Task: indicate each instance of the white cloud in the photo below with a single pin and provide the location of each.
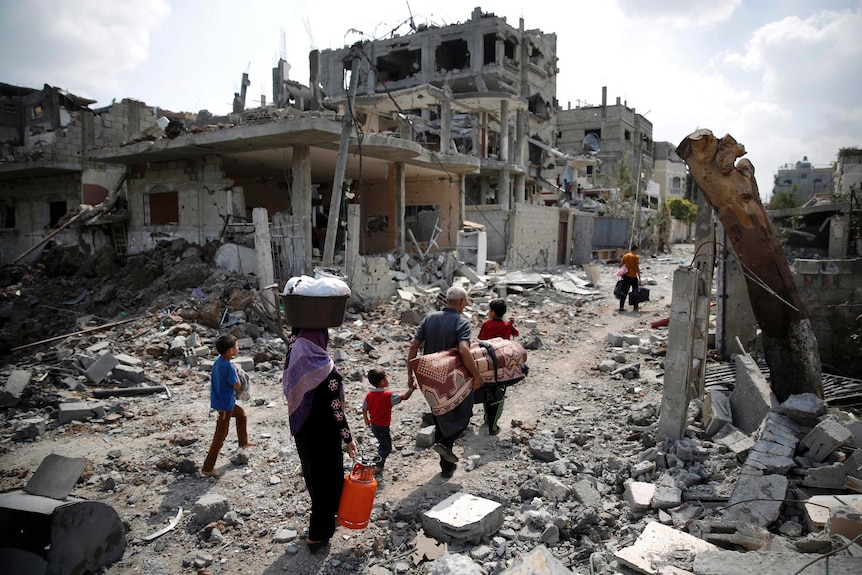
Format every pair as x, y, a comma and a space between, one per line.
681, 13
82, 46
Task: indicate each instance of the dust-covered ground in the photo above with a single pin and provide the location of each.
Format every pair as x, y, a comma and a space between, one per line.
145, 452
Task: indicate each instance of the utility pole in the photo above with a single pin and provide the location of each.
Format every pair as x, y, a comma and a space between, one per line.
341, 166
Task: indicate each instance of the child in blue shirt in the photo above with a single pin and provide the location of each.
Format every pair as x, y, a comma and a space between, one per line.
224, 383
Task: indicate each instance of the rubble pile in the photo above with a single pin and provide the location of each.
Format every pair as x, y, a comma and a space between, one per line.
579, 475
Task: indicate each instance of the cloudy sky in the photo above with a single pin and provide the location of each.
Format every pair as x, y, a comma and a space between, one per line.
784, 77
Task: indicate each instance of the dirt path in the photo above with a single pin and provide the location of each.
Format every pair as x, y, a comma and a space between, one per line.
144, 462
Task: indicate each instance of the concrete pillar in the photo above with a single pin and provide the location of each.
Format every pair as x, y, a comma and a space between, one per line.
263, 256
301, 199
519, 192
520, 145
504, 130
735, 318
504, 193
351, 249
483, 135
678, 364
446, 120
400, 202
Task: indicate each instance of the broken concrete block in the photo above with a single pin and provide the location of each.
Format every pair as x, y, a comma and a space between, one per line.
658, 548
826, 476
818, 508
210, 507
425, 437
716, 411
737, 563
643, 468
450, 564
846, 521
639, 495
543, 447
128, 359
757, 499
615, 339
584, 492
30, 428
463, 518
824, 438
131, 373
246, 363
667, 494
768, 463
539, 561
75, 410
734, 440
803, 408
752, 398
853, 464
553, 488
13, 389
727, 533
100, 369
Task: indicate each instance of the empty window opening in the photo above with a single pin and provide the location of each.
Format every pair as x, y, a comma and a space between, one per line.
676, 183
398, 65
536, 56
423, 221
161, 208
627, 135
489, 49
452, 55
56, 211
7, 215
510, 49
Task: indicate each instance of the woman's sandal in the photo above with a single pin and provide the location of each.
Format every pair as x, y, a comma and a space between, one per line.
315, 546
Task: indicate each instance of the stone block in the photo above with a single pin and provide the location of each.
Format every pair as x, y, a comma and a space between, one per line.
463, 518
425, 437
752, 398
13, 389
757, 499
716, 411
826, 476
100, 369
667, 494
803, 408
638, 495
539, 561
824, 438
658, 548
584, 492
242, 343
615, 339
853, 464
734, 440
763, 563
129, 373
553, 488
74, 410
128, 359
247, 363
768, 463
30, 428
210, 507
809, 267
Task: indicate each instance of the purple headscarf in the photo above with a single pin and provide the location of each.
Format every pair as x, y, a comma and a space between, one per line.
308, 366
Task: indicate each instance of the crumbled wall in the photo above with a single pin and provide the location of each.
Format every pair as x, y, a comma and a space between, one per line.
203, 195
496, 222
832, 293
120, 121
534, 242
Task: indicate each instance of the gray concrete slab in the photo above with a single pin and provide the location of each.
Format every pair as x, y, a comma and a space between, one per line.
736, 563
757, 499
56, 476
463, 518
13, 389
539, 561
752, 397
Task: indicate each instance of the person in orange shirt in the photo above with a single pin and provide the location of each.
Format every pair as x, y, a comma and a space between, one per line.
632, 277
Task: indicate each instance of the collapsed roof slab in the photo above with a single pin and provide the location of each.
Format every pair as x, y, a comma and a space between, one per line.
302, 131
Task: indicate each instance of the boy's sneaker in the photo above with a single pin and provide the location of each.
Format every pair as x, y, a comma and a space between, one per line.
448, 474
445, 453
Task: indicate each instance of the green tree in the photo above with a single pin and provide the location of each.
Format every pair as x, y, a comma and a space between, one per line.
682, 210
784, 200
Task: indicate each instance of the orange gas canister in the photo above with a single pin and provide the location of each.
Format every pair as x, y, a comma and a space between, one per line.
357, 497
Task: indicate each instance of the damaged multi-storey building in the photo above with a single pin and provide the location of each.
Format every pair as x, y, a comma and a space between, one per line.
446, 125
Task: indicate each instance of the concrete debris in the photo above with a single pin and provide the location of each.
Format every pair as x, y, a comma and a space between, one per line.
463, 518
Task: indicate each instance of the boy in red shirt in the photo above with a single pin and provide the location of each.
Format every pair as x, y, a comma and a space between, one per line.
377, 412
496, 326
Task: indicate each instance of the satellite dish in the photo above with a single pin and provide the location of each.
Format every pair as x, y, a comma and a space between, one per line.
591, 144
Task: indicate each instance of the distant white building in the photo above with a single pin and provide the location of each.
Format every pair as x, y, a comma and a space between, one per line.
804, 178
669, 171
